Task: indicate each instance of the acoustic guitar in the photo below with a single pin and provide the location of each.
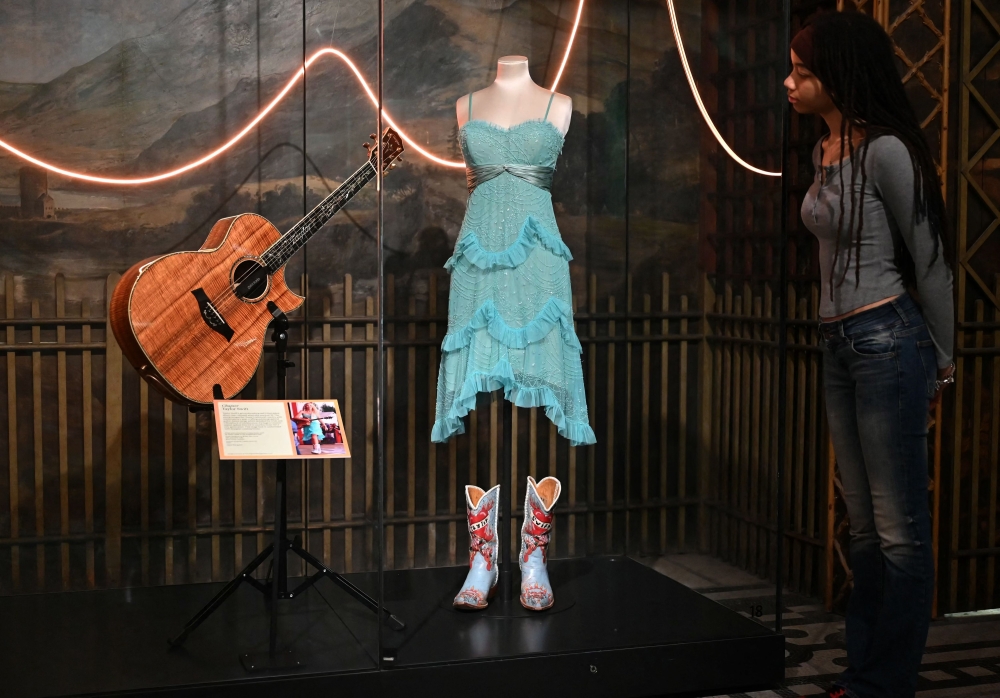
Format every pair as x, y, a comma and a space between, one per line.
191, 321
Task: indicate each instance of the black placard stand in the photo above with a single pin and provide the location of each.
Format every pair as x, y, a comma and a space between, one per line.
276, 587
505, 593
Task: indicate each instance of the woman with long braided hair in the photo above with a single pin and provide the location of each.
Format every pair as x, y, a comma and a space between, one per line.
878, 213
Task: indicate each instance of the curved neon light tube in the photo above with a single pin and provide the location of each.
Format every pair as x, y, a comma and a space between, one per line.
701, 105
239, 136
569, 46
267, 110
371, 95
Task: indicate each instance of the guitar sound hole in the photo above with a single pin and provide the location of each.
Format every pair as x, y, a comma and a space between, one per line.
250, 280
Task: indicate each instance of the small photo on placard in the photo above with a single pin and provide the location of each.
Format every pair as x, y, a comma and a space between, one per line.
317, 429
262, 429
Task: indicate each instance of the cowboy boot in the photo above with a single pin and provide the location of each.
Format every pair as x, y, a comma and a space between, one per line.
481, 581
536, 591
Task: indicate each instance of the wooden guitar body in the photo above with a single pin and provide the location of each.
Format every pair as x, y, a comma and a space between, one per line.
191, 321
180, 324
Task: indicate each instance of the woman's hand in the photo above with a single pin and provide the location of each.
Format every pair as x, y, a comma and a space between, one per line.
945, 376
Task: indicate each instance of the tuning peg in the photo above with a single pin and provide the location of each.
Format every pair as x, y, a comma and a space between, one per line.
373, 137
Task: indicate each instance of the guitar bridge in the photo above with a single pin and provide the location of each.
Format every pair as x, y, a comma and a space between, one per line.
210, 314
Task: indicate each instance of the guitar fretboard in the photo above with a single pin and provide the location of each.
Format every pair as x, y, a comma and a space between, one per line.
278, 254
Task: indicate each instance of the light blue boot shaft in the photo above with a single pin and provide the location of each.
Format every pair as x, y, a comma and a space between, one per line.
541, 498
481, 508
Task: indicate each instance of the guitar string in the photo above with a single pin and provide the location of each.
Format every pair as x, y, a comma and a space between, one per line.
223, 305
278, 254
284, 248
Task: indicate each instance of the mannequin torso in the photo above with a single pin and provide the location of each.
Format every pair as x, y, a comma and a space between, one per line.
514, 98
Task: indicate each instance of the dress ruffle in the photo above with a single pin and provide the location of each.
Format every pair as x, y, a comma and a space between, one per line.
502, 377
555, 312
532, 234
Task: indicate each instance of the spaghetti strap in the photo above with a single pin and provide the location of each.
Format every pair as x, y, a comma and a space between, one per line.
545, 118
470, 108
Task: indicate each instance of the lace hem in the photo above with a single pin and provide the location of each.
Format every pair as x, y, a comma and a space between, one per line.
532, 233
502, 377
555, 312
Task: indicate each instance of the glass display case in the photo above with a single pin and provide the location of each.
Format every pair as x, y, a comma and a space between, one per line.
559, 332
550, 387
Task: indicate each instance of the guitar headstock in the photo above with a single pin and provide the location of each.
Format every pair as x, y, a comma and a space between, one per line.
392, 149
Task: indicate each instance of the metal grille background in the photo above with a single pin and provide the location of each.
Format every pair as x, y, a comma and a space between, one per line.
970, 582
743, 62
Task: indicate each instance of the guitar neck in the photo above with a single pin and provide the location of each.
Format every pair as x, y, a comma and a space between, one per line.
278, 254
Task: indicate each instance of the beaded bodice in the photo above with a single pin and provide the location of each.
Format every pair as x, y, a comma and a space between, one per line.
537, 142
534, 142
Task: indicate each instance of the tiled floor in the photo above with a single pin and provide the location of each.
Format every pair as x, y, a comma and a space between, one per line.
962, 656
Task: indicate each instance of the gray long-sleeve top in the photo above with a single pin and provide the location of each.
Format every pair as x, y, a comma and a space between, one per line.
889, 215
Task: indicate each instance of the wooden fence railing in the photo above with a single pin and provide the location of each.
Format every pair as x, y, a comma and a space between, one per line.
105, 483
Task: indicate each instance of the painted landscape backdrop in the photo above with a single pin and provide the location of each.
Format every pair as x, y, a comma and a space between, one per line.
131, 88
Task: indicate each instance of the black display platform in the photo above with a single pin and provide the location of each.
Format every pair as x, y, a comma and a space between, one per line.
629, 631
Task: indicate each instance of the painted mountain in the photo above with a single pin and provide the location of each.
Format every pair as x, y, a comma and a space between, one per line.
161, 92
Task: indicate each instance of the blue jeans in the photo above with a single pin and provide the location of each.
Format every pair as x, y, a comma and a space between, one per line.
879, 373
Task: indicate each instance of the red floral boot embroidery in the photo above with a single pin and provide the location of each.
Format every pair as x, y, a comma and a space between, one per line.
536, 590
481, 580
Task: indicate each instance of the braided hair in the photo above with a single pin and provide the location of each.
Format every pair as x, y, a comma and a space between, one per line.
853, 59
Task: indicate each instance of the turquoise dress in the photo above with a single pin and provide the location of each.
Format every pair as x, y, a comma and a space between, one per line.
314, 428
510, 313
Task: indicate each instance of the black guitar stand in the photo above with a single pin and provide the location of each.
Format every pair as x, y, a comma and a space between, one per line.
276, 588
505, 581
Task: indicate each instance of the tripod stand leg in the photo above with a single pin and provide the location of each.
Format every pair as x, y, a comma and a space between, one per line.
341, 581
224, 594
280, 579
